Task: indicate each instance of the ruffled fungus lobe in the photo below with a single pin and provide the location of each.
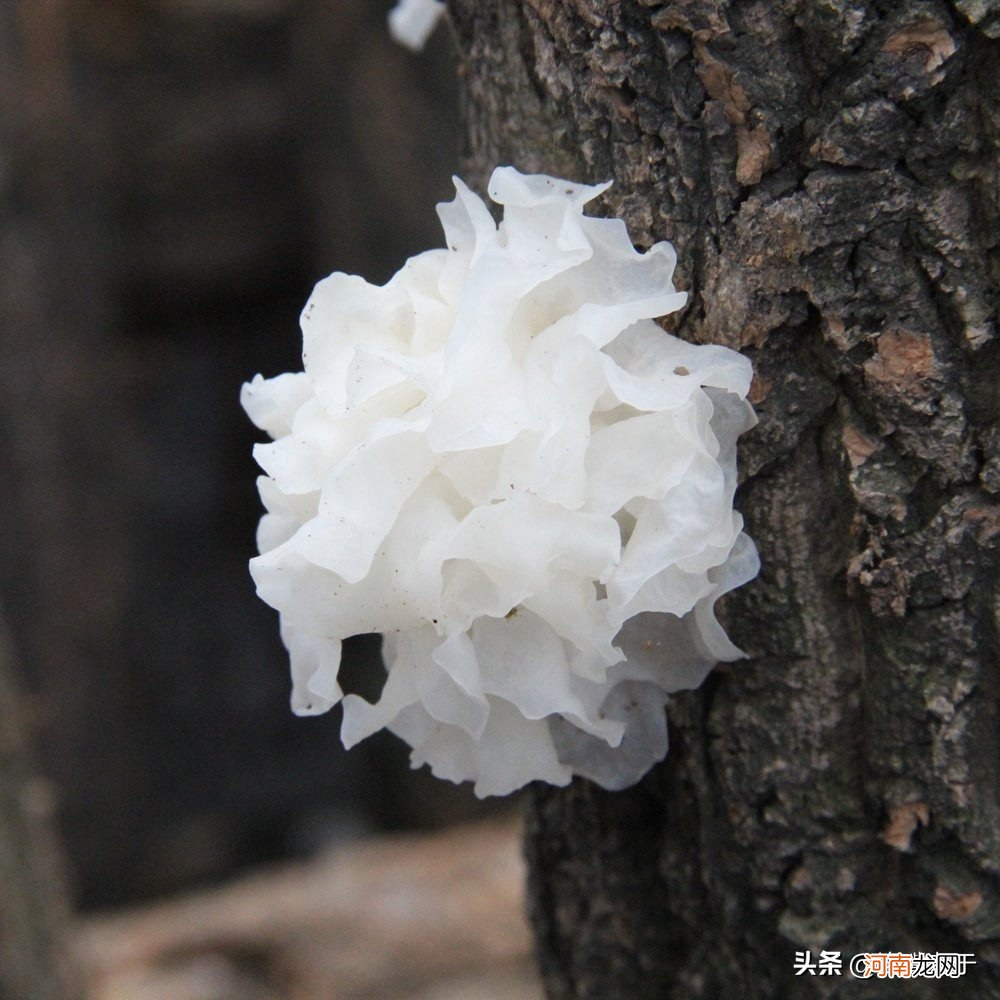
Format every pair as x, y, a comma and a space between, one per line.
500, 462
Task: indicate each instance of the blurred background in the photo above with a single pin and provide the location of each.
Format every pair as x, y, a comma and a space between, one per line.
175, 175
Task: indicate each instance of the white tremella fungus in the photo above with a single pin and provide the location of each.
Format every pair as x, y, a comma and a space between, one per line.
500, 462
411, 22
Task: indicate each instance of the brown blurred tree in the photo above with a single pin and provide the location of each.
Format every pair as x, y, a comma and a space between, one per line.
38, 191
34, 961
828, 174
174, 178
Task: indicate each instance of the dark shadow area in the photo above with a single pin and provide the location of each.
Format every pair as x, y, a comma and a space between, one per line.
176, 177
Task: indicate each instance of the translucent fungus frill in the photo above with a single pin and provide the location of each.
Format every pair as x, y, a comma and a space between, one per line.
500, 462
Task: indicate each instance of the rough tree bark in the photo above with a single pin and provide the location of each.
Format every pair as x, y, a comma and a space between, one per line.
827, 172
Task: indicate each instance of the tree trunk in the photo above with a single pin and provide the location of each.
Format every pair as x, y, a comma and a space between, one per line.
827, 172
34, 962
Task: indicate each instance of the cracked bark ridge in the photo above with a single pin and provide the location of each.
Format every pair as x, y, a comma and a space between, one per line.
828, 174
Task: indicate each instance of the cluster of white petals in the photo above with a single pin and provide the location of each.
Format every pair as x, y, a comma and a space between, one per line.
500, 462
